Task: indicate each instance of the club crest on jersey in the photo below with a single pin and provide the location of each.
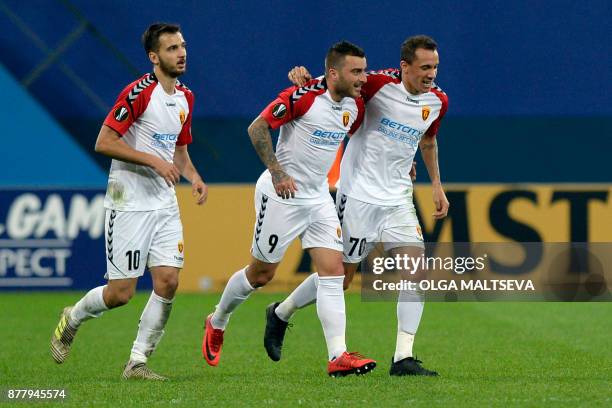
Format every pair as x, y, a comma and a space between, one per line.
339, 232
120, 114
181, 246
182, 116
345, 118
279, 110
419, 231
425, 112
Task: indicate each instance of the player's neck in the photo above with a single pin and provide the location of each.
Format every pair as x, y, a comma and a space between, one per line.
167, 83
336, 97
411, 91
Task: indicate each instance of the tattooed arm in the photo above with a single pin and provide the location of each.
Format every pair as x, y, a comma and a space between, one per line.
262, 142
429, 152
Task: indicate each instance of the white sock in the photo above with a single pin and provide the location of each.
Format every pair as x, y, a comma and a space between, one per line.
236, 291
91, 305
151, 327
332, 314
302, 296
409, 311
403, 345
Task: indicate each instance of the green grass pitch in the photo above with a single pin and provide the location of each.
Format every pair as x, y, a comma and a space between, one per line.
487, 354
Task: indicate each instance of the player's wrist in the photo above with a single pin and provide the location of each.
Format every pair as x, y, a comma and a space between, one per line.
151, 161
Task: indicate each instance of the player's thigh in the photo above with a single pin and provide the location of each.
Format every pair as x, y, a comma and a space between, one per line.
128, 237
360, 226
402, 236
276, 225
167, 246
323, 230
402, 228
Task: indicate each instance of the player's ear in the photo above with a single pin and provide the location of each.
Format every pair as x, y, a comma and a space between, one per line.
332, 73
153, 58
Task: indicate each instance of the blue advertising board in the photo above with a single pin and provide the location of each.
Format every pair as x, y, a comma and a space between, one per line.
53, 239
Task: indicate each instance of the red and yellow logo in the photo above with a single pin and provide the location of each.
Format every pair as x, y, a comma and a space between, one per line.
345, 118
181, 246
425, 112
182, 116
419, 231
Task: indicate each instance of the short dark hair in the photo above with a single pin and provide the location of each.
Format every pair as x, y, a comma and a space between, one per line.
150, 38
410, 46
337, 52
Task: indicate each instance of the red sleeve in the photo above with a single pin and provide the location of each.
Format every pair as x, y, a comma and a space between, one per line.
291, 103
360, 114
435, 125
130, 104
185, 136
377, 80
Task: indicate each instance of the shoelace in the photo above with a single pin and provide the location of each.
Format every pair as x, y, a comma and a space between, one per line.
348, 362
216, 340
416, 360
68, 335
145, 371
279, 330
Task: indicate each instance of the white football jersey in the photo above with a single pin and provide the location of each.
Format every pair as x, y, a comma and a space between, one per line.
151, 121
378, 158
312, 128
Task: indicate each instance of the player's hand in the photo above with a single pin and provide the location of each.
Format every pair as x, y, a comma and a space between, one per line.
441, 202
299, 76
167, 170
413, 171
199, 190
284, 184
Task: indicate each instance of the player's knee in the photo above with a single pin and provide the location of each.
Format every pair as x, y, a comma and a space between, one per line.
172, 284
259, 273
262, 278
332, 270
167, 286
119, 297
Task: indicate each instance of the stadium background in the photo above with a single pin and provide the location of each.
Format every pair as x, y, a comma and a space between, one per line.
524, 149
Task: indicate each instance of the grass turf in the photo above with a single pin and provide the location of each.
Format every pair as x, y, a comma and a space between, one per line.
487, 354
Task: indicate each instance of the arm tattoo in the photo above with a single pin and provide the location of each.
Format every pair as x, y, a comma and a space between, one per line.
262, 142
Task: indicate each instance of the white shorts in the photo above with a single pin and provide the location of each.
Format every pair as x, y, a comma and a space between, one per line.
135, 239
277, 224
365, 224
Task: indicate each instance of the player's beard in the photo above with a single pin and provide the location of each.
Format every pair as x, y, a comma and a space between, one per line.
169, 70
345, 88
